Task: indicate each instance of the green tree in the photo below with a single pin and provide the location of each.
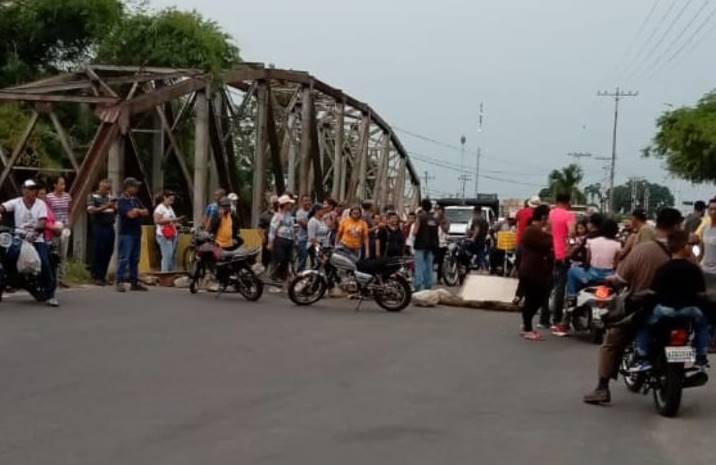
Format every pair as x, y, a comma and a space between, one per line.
686, 141
659, 196
169, 38
42, 36
565, 180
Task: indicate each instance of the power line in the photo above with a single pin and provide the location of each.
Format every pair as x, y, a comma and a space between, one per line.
428, 158
663, 37
654, 31
636, 38
673, 43
689, 42
483, 176
453, 147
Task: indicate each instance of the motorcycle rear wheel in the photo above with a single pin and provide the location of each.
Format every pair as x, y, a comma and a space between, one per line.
249, 285
667, 394
307, 289
399, 296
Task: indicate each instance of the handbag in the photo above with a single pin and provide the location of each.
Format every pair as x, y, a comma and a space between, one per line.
169, 231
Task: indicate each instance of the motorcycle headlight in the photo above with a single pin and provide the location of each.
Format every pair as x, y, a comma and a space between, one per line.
5, 240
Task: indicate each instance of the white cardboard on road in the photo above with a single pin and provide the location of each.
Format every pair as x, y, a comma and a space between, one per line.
488, 288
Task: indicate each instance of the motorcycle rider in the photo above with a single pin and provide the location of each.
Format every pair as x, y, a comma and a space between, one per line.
225, 226
636, 272
677, 285
31, 216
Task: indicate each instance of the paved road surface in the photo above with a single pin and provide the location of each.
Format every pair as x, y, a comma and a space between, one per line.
170, 378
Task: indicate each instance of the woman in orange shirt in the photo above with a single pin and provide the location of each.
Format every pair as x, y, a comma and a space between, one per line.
353, 235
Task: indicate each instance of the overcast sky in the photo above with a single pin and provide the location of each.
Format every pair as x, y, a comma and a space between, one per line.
425, 66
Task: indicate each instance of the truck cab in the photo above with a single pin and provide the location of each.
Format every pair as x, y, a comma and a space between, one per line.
460, 218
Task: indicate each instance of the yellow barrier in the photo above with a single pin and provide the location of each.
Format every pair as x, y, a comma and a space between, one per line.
506, 240
150, 255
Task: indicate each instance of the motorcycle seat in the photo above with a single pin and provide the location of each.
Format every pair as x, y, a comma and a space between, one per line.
241, 252
374, 266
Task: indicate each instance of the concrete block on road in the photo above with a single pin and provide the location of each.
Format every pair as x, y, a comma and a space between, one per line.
488, 288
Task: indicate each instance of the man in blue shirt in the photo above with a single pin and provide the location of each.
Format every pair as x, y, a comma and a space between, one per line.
131, 213
211, 214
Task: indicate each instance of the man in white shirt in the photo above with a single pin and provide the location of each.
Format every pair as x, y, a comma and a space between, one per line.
30, 215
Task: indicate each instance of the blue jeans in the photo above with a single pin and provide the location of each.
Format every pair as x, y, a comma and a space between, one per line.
128, 259
423, 269
103, 249
47, 275
579, 277
302, 253
168, 248
701, 328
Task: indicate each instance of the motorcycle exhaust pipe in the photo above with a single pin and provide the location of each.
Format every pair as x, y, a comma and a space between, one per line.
696, 380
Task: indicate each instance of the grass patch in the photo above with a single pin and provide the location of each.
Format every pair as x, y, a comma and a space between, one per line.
77, 273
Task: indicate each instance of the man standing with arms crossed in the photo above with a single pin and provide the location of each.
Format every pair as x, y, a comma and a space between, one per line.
131, 214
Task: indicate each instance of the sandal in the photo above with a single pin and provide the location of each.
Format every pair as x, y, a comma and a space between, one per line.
533, 336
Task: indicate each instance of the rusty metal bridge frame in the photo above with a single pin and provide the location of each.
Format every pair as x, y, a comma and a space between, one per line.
308, 137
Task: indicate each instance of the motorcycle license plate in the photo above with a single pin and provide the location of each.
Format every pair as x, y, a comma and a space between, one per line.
598, 313
680, 355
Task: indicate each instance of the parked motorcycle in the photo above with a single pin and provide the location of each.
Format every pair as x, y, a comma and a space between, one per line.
593, 304
459, 262
672, 358
232, 269
11, 242
381, 279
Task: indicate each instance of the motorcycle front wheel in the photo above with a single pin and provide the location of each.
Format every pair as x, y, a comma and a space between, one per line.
451, 271
667, 393
395, 294
307, 289
197, 274
249, 285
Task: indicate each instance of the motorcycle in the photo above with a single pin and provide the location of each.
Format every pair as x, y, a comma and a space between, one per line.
11, 241
381, 279
593, 304
672, 358
232, 269
459, 261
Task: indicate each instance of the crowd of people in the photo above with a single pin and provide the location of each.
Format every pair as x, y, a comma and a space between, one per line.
560, 254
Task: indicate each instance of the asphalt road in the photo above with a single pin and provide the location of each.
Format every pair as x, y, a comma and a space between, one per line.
170, 378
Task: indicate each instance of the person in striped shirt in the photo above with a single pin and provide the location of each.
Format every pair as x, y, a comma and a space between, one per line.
60, 202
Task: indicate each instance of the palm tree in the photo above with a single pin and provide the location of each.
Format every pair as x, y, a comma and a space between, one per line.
594, 194
567, 180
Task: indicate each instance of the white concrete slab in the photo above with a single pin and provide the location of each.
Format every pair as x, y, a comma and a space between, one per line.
488, 288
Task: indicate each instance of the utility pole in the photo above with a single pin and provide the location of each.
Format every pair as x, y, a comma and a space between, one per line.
480, 119
646, 196
618, 95
634, 193
463, 178
477, 172
427, 178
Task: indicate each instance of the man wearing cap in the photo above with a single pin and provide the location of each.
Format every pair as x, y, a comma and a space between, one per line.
281, 237
131, 214
31, 216
225, 227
